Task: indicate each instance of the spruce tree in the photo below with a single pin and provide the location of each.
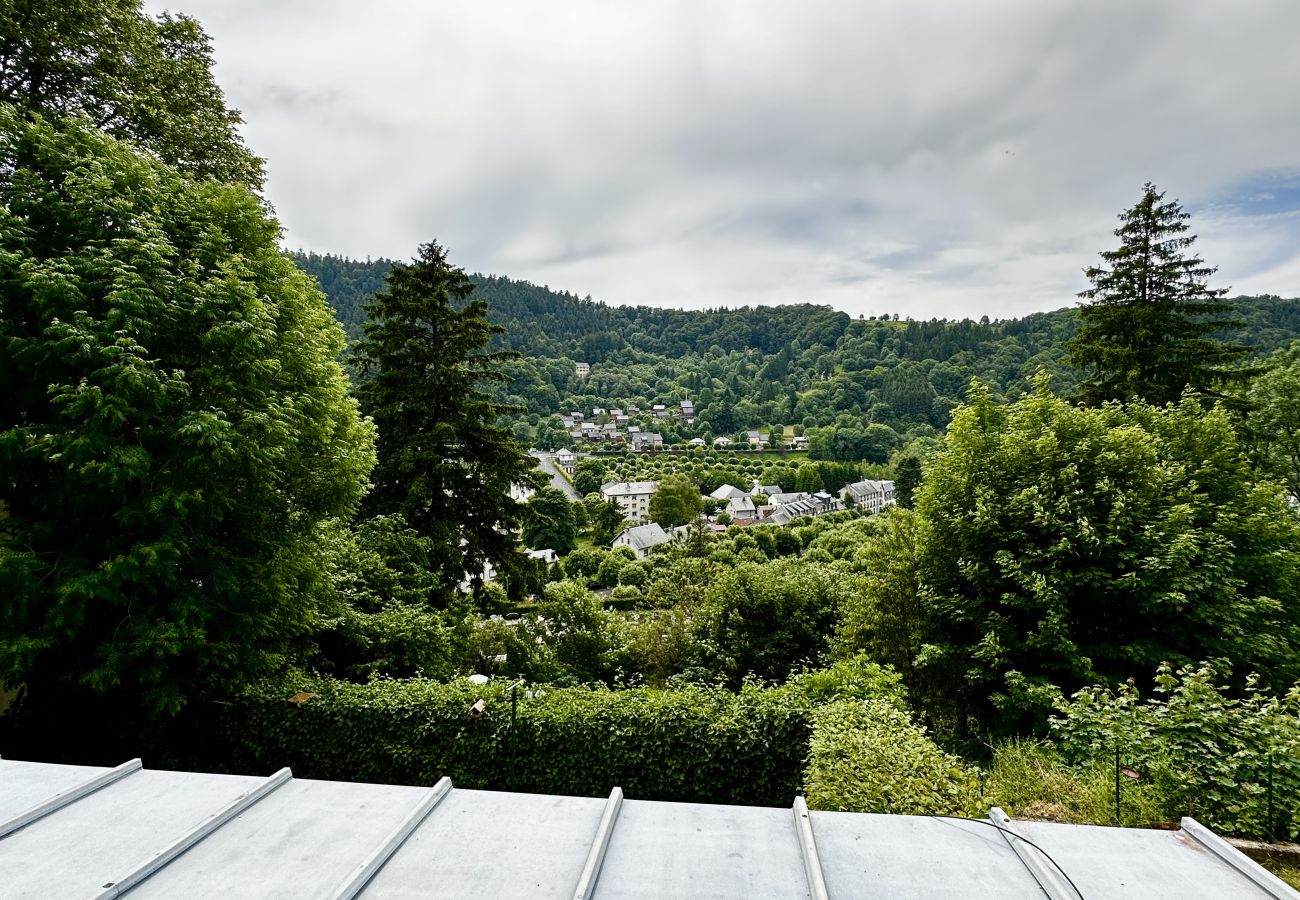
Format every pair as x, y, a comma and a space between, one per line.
1148, 328
444, 461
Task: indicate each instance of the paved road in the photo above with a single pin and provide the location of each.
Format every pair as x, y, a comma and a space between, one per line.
546, 462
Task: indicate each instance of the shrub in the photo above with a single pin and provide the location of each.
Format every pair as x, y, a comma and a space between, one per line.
1032, 780
868, 756
1210, 754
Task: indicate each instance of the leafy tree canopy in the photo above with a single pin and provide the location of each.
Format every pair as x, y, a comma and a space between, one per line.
676, 502
175, 425
143, 79
1061, 545
549, 522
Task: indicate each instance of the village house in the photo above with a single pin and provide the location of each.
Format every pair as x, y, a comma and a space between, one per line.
688, 411
695, 442
566, 459
647, 441
660, 411
727, 492
633, 497
582, 369
742, 510
722, 443
642, 539
869, 495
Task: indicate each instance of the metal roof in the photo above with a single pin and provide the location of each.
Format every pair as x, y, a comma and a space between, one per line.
83, 832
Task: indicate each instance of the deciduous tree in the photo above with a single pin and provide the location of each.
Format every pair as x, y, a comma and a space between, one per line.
1061, 545
676, 502
175, 424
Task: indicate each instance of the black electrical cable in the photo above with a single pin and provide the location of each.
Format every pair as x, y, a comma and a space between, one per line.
1019, 837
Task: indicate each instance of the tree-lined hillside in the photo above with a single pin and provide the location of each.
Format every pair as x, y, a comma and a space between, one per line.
799, 365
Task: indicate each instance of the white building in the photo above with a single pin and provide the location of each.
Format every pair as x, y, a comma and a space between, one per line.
632, 496
582, 369
642, 539
869, 495
567, 459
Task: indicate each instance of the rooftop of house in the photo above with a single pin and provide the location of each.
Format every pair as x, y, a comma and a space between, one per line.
628, 488
643, 537
145, 833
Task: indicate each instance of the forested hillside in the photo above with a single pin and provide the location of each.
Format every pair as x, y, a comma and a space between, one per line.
755, 367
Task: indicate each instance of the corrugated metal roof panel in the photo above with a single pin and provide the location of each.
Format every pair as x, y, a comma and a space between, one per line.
153, 834
905, 857
702, 850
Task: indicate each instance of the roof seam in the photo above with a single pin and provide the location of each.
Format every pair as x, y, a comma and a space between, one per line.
68, 797
192, 837
367, 869
599, 845
812, 863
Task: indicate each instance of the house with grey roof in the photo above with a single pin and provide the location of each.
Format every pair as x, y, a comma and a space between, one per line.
727, 492
647, 440
642, 538
742, 510
869, 495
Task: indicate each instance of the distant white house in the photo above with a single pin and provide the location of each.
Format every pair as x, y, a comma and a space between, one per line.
567, 459
687, 411
582, 369
742, 510
722, 443
642, 539
758, 437
869, 495
632, 496
548, 556
695, 442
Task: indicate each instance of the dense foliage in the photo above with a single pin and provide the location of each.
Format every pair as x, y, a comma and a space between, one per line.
444, 462
1229, 757
1149, 330
868, 756
175, 425
1061, 545
657, 745
144, 80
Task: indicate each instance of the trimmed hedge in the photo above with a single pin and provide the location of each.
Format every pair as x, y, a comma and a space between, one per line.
695, 744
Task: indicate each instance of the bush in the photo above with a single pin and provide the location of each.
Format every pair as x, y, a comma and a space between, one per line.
868, 756
1209, 754
688, 745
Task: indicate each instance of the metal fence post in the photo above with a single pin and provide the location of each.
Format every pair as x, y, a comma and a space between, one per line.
1117, 818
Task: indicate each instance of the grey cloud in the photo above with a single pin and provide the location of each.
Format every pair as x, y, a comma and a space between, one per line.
931, 158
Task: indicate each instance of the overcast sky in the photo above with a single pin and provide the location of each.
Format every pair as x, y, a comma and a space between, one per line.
925, 158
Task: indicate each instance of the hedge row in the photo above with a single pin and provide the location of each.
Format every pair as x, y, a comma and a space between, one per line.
702, 745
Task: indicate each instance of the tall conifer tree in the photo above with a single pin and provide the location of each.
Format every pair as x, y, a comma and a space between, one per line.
1148, 329
444, 462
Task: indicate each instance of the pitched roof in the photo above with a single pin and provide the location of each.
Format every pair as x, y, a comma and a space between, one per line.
726, 492
643, 537
628, 488
143, 833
